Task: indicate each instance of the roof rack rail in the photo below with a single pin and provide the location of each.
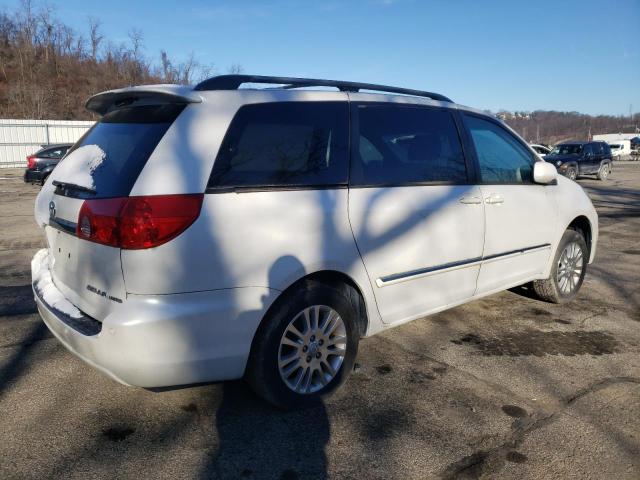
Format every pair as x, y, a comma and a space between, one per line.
233, 82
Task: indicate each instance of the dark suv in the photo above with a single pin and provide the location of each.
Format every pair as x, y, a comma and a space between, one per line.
42, 163
581, 158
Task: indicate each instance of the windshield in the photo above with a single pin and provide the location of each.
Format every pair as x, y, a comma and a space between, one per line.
109, 158
566, 150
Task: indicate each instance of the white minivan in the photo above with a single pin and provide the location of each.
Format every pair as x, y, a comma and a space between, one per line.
255, 227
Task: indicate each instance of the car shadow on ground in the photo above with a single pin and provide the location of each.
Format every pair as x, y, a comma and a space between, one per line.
256, 440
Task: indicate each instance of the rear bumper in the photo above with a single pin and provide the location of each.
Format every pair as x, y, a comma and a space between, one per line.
168, 340
34, 176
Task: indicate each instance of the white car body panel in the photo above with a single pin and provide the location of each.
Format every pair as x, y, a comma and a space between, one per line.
519, 232
404, 233
245, 240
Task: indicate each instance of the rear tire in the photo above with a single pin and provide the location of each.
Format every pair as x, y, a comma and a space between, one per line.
603, 173
568, 270
305, 348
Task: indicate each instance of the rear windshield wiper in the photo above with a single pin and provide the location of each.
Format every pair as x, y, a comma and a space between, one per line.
73, 186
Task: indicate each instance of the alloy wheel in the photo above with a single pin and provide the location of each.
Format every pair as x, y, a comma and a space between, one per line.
312, 349
570, 265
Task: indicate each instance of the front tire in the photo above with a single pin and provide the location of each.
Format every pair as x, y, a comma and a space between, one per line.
572, 173
568, 271
305, 348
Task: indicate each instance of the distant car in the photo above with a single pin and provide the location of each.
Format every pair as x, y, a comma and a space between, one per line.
540, 149
42, 163
573, 159
620, 149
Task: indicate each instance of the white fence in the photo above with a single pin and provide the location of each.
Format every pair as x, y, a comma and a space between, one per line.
19, 138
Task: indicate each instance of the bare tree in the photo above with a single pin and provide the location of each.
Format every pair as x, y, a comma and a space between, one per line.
95, 36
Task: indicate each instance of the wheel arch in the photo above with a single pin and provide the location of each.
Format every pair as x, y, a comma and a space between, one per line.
332, 278
573, 164
582, 224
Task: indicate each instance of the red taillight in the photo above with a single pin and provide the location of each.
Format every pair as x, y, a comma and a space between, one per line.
31, 162
137, 222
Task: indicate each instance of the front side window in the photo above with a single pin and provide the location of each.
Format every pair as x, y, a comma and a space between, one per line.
406, 145
502, 158
296, 144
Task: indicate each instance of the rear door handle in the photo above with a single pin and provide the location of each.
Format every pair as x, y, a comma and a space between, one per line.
471, 200
494, 199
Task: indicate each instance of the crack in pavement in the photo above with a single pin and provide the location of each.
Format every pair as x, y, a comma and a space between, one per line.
492, 460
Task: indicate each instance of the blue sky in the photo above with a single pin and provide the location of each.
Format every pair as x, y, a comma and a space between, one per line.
518, 55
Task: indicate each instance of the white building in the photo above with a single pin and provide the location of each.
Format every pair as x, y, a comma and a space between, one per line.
614, 137
19, 138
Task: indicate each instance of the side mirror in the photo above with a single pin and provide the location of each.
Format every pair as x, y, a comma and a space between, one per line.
544, 173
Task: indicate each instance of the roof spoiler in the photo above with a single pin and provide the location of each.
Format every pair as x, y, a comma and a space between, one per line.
101, 103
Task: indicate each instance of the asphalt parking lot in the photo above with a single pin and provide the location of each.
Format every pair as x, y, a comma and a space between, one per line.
506, 387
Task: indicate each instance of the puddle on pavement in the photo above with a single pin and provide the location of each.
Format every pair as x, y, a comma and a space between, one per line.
384, 369
516, 457
539, 343
514, 411
117, 434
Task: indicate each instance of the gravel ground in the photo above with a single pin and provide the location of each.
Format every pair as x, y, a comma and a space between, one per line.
505, 387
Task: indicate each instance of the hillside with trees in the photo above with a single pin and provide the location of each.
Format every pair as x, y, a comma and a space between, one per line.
551, 127
48, 70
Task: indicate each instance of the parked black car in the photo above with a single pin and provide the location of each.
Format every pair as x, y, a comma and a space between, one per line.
573, 159
41, 163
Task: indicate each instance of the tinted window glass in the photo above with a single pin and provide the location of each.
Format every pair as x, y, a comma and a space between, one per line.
406, 144
57, 152
502, 158
588, 149
567, 149
127, 137
284, 144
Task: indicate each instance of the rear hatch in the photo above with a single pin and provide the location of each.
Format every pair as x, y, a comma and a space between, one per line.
104, 164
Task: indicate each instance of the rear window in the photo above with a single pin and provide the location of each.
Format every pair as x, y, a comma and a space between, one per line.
285, 144
118, 146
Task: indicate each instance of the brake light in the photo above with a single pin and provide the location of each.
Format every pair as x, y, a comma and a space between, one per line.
137, 222
31, 162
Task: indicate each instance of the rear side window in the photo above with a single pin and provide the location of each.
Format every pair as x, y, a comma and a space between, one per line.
404, 145
502, 158
285, 144
117, 148
54, 153
588, 150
